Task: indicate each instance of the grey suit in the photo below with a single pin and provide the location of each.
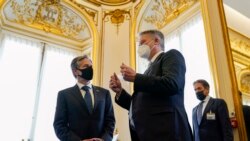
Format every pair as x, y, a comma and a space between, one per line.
74, 122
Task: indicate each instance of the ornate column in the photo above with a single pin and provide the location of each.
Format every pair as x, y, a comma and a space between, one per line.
221, 60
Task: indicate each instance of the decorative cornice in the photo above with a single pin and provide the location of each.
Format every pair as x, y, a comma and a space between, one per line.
245, 80
1, 3
164, 11
240, 47
91, 12
240, 58
47, 15
117, 17
110, 2
138, 8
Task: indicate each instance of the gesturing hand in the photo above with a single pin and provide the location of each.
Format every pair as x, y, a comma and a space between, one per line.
115, 84
127, 73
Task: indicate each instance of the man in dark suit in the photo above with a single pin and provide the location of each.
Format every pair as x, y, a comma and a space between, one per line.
84, 112
210, 117
246, 114
156, 108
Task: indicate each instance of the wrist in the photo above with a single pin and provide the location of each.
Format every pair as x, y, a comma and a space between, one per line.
118, 94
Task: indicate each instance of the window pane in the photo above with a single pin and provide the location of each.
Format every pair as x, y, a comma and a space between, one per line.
19, 63
189, 39
56, 75
172, 42
195, 52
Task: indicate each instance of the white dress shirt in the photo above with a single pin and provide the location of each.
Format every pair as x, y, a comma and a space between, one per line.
80, 85
205, 103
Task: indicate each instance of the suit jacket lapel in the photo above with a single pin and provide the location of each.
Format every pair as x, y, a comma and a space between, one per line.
97, 95
206, 110
149, 69
78, 95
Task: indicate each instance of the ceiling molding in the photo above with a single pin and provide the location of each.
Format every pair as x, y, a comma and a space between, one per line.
110, 2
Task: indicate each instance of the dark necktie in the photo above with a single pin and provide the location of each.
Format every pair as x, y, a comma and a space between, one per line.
199, 112
149, 69
87, 98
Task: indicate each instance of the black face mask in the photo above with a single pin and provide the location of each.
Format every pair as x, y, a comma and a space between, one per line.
87, 73
200, 95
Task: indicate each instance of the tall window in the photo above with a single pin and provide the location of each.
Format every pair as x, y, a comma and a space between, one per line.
31, 75
19, 63
190, 39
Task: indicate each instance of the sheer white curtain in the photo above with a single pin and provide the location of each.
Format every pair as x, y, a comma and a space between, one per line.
31, 74
19, 68
56, 75
189, 38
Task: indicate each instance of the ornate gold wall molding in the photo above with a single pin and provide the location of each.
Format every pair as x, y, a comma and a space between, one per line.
1, 3
240, 45
91, 12
164, 11
138, 8
110, 2
47, 15
245, 81
117, 17
133, 33
241, 59
221, 59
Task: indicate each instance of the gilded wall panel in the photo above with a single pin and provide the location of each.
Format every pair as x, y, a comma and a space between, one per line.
161, 12
49, 16
240, 45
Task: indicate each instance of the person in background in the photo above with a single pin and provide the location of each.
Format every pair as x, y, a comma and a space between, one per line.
246, 114
84, 112
210, 117
156, 108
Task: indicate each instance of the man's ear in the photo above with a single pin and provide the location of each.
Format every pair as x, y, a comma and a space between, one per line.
157, 40
207, 91
75, 72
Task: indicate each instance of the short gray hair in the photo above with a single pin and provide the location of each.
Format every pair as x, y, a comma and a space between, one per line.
156, 33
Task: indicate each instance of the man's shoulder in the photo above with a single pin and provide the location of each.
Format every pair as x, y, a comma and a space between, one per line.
219, 101
100, 88
69, 89
172, 53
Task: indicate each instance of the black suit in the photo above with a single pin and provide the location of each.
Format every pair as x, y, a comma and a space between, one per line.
217, 128
158, 101
246, 113
73, 121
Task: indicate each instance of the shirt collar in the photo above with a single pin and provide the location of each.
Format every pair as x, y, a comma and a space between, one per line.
206, 99
80, 85
155, 56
